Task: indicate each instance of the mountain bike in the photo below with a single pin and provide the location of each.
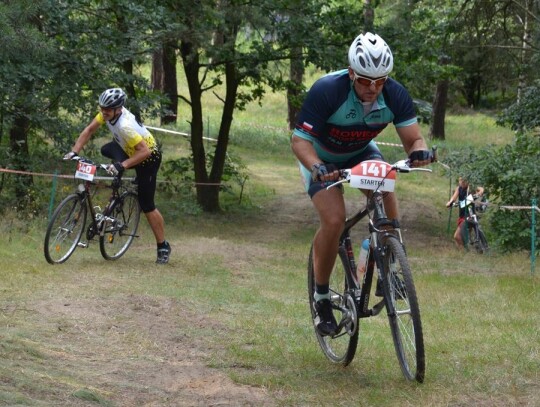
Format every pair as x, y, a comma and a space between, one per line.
116, 225
350, 290
473, 235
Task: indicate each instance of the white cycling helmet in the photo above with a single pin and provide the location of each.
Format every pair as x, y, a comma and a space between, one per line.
370, 56
112, 98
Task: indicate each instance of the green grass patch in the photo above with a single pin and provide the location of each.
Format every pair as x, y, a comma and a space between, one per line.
233, 300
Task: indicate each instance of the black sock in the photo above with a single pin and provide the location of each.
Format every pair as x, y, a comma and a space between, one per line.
322, 288
322, 291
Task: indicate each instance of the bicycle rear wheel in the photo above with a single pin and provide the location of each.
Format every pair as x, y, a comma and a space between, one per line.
65, 229
119, 233
341, 347
403, 311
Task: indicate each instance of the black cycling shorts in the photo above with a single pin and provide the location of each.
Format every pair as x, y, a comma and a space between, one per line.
146, 173
370, 152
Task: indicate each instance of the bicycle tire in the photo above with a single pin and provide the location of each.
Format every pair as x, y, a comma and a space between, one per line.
117, 235
477, 239
403, 311
483, 241
65, 229
341, 347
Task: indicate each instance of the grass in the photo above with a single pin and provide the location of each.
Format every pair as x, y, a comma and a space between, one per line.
92, 332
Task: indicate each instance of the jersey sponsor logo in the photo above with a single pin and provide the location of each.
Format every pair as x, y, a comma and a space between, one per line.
351, 114
353, 135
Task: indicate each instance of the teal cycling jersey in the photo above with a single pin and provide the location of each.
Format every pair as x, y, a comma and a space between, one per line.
339, 125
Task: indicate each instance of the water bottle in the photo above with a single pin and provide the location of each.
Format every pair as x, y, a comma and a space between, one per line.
362, 260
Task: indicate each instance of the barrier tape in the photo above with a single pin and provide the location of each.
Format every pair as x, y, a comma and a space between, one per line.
520, 207
176, 132
382, 143
533, 227
100, 178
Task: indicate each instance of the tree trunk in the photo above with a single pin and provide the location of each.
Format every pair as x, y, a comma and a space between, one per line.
156, 81
18, 142
294, 90
436, 130
207, 200
369, 16
170, 85
525, 47
130, 88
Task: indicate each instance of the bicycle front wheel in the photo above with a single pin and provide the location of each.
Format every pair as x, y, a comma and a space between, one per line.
403, 311
478, 239
65, 229
341, 347
121, 227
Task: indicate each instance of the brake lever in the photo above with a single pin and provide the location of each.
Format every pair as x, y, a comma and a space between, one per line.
341, 181
345, 177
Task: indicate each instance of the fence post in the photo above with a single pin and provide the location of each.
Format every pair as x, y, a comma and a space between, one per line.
53, 193
533, 235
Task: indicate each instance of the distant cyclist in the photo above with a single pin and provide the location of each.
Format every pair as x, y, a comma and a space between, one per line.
460, 194
133, 146
341, 115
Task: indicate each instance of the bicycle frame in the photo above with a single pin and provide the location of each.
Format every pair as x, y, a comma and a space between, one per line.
97, 219
350, 291
116, 225
362, 288
472, 224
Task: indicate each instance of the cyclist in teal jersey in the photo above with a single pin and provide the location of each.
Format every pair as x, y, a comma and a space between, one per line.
133, 146
341, 115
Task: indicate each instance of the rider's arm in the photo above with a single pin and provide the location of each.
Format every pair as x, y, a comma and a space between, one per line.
306, 154
453, 198
142, 152
85, 135
304, 151
412, 140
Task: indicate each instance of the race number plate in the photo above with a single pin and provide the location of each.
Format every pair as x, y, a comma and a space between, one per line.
85, 171
373, 175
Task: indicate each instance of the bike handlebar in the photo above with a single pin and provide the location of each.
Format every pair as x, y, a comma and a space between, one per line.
399, 166
86, 160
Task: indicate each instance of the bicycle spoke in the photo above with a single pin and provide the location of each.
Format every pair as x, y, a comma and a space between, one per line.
121, 227
339, 348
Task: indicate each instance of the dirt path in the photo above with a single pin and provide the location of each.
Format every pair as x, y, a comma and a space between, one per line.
123, 348
95, 335
167, 370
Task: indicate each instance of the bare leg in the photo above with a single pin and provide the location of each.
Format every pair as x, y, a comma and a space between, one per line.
458, 237
391, 206
331, 209
157, 224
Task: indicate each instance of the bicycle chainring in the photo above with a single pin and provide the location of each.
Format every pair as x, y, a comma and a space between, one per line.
350, 319
90, 232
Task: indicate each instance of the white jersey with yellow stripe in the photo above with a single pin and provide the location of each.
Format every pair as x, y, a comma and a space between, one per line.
128, 132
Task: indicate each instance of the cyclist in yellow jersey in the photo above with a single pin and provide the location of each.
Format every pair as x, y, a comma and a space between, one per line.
133, 146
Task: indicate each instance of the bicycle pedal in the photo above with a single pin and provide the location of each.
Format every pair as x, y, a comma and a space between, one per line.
82, 244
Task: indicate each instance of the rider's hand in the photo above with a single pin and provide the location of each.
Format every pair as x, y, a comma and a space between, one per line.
324, 172
449, 204
116, 169
70, 155
419, 158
